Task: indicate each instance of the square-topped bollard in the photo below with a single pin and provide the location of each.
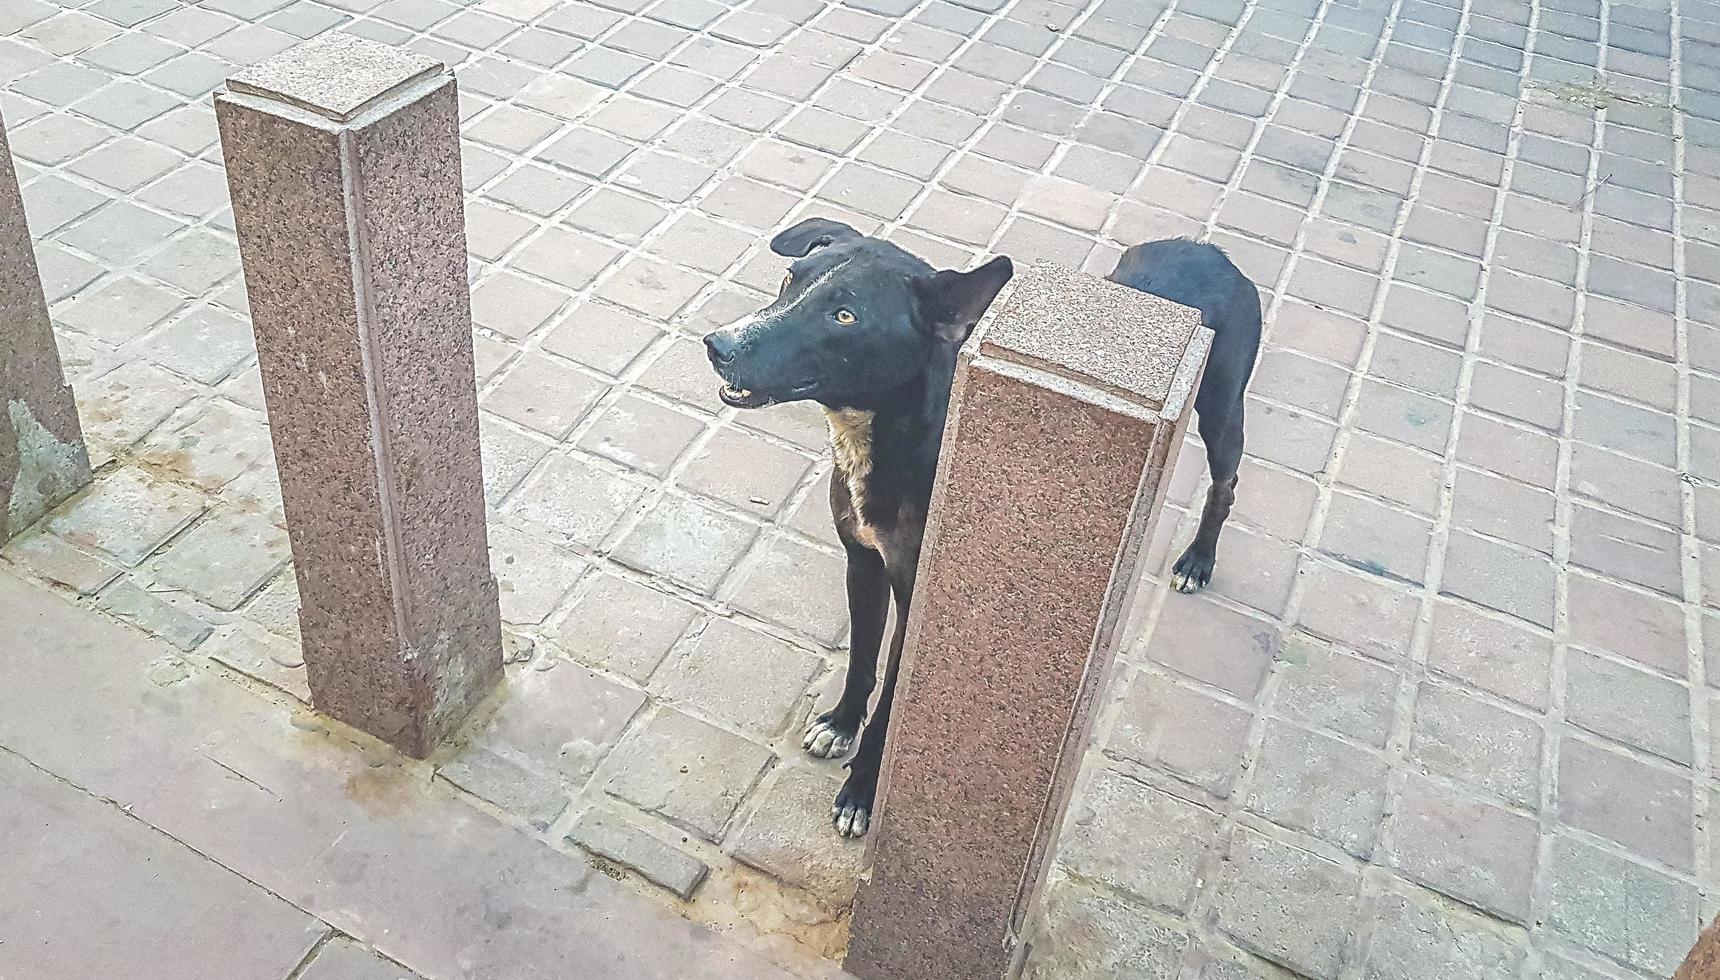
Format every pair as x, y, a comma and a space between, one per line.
343, 161
42, 455
1069, 404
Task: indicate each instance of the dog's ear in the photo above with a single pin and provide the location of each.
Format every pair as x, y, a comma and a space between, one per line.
810, 234
952, 302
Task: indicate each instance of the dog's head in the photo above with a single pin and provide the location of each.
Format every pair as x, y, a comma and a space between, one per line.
856, 319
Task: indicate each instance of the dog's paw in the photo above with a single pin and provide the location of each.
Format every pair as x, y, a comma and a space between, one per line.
827, 738
1192, 571
852, 813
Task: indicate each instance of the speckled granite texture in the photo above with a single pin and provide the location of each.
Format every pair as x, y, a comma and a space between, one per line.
354, 248
42, 455
1047, 488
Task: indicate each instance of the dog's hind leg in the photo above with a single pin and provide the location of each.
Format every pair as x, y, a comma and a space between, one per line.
1222, 433
831, 734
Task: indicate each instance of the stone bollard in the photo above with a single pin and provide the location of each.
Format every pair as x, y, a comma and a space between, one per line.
42, 456
343, 162
1070, 402
1703, 963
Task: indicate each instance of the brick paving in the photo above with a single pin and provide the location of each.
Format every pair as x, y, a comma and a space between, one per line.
1445, 710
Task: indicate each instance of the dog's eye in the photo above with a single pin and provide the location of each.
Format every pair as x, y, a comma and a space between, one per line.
844, 317
785, 281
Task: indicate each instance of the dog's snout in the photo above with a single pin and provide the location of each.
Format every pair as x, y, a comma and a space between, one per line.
721, 346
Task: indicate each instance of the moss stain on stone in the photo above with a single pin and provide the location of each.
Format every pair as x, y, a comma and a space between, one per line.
49, 469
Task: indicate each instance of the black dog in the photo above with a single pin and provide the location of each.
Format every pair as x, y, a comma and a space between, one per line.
871, 333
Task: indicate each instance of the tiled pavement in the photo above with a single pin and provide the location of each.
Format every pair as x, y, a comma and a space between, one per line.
1444, 712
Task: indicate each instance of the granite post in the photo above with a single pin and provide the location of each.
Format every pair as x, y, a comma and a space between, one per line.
1703, 962
42, 455
1069, 404
343, 162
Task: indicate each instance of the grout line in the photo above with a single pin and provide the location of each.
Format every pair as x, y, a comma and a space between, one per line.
1701, 700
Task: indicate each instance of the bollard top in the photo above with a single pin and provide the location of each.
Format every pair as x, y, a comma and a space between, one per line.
1097, 334
334, 75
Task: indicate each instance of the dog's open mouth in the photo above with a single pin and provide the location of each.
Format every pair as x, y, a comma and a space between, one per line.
747, 398
742, 397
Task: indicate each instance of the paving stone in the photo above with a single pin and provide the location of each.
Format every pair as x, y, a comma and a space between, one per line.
741, 678
796, 586
1376, 539
532, 574
1368, 613
575, 501
544, 395
1494, 655
601, 337
1608, 618
1271, 892
1520, 453
125, 164
690, 773
1643, 554
1619, 908
1213, 644
205, 345
63, 273
1631, 485
1319, 785
536, 799
687, 542
1515, 582
210, 450
1102, 840
56, 561
508, 456
1455, 843
1632, 706
225, 559
651, 287
1425, 938
514, 306
621, 626
127, 516
261, 656
611, 836
1407, 416
1469, 739
788, 835
120, 232
1301, 381
682, 371
641, 435
744, 471
343, 959
1175, 727
1394, 471
1646, 808
130, 603
276, 607
174, 891
1088, 934
1320, 686
535, 725
258, 492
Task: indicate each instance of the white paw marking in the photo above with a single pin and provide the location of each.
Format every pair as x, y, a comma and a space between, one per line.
824, 742
851, 820
1183, 582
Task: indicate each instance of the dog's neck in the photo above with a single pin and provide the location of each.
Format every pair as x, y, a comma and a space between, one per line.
899, 432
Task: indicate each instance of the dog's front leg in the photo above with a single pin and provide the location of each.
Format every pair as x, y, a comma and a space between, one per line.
831, 734
852, 813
